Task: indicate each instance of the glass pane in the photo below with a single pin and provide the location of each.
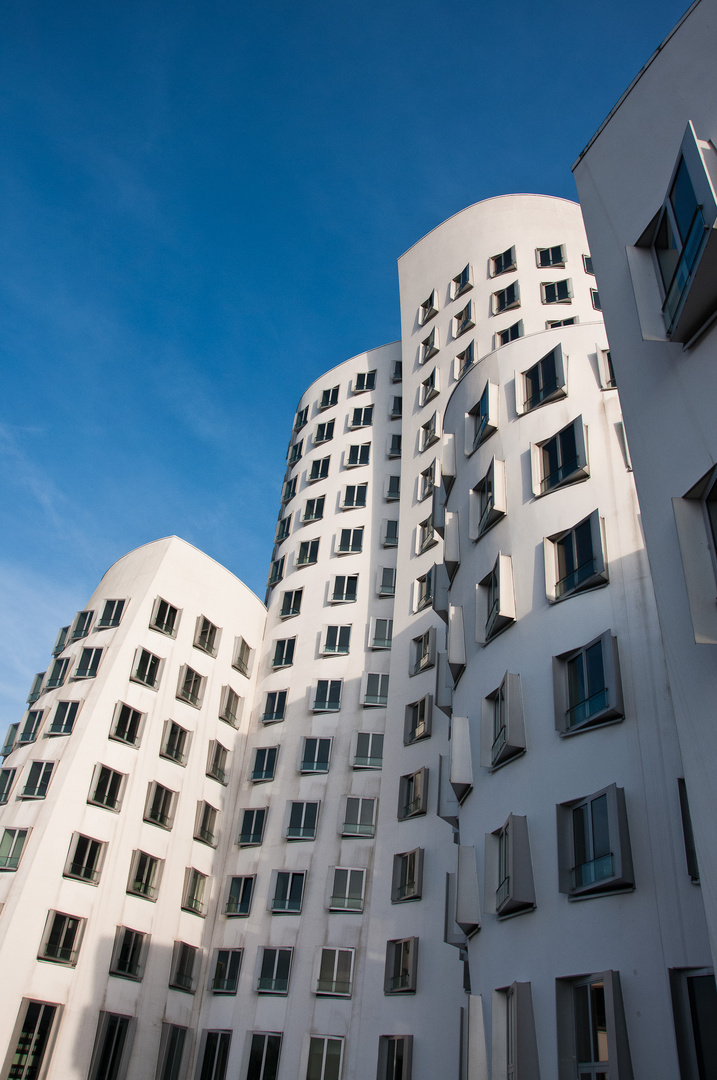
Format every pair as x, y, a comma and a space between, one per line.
599, 1020
601, 831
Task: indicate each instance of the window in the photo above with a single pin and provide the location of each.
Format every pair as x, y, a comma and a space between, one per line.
274, 971
362, 417
592, 1031
127, 725
329, 397
288, 892
557, 292
365, 380
429, 388
345, 588
465, 359
561, 460
175, 743
36, 688
407, 876
358, 454
284, 652
191, 686
465, 319
111, 615
275, 707
393, 488
595, 299
429, 432
89, 662
31, 726
38, 780
511, 333
264, 1057
61, 640
462, 282
387, 581
289, 490
301, 417
107, 788
146, 669
335, 972
575, 560
488, 500
417, 723
207, 636
423, 651
424, 590
264, 763
428, 308
252, 825
430, 345
327, 697
381, 633
501, 264
324, 432
360, 817
85, 859
509, 866
551, 256
205, 825
283, 528
396, 408
165, 618
217, 762
11, 847
397, 374
325, 1057
594, 854
227, 963
10, 739
395, 1055
319, 469
303, 817
113, 1043
81, 625
230, 707
194, 899
350, 541
308, 553
587, 685
145, 875
241, 890
376, 692
182, 971
313, 510
354, 496
7, 778
61, 940
394, 446
390, 533
413, 794
588, 265
242, 656
129, 953
369, 750
543, 382
606, 370
291, 603
506, 299
57, 674
427, 481
347, 890
295, 452
159, 808
497, 587
216, 1052
171, 1052
502, 729
337, 640
553, 324
401, 964
315, 755
34, 1042
687, 834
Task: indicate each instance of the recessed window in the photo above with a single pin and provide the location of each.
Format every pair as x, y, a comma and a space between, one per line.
11, 847
7, 778
497, 589
10, 737
511, 333
508, 849
347, 890
165, 618
488, 500
588, 264
506, 299
365, 380
113, 1046
303, 817
329, 398
592, 1029
376, 692
89, 663
127, 726
146, 669
427, 481
396, 408
389, 533
62, 639
462, 282
358, 455
423, 651
231, 706
316, 755
160, 805
107, 788
428, 308
327, 697
553, 324
401, 965
205, 824
324, 432
145, 875
171, 1051
465, 359
395, 1057
182, 971
394, 446
30, 728
241, 890
561, 459
413, 794
275, 706
393, 488
429, 432
251, 833
85, 859
191, 686
35, 1039
291, 603
216, 1055
407, 876
482, 420
556, 292
308, 553
225, 977
543, 382
464, 320
354, 496
38, 780
56, 678
242, 656
207, 636
195, 888
81, 625
429, 388
289, 490
335, 973
387, 580
62, 937
36, 688
274, 971
301, 417
350, 541
397, 373
217, 758
430, 345
288, 893
129, 953
284, 653
380, 633
418, 720
319, 469
313, 510
501, 264
337, 640
295, 452
369, 750
575, 559
344, 589
360, 817
594, 845
551, 256
325, 1058
502, 729
362, 417
587, 685
111, 615
175, 742
595, 299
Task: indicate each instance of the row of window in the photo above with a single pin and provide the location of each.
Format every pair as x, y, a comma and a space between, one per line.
355, 455
352, 497
340, 589
360, 417
347, 541
335, 640
325, 695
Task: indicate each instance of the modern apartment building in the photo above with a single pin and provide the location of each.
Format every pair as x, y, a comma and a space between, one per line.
420, 815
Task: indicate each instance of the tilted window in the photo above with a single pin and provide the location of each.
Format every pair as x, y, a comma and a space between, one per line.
301, 417
127, 726
319, 469
274, 971
146, 669
506, 299
284, 652
302, 821
241, 890
38, 780
354, 496
344, 589
288, 893
242, 656
430, 345
11, 847
587, 686
182, 975
594, 855
407, 880
541, 383
413, 794
359, 817
205, 824
283, 529
592, 1029
313, 510
111, 614
337, 640
252, 824
462, 282
509, 870
401, 966
359, 454
329, 397
335, 972
502, 725
498, 597
291, 603
417, 723
107, 788
89, 663
557, 292
324, 432
264, 1056
327, 697
275, 706
488, 500
511, 333
561, 459
362, 417
194, 898
376, 689
176, 741
129, 953
160, 805
350, 541
395, 1057
227, 965
62, 937
482, 420
85, 859
501, 264
191, 686
550, 256
387, 581
428, 308
316, 755
165, 617
575, 559
145, 875
365, 380
369, 750
347, 889
464, 320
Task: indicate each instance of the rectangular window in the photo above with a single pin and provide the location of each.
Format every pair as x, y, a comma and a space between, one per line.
11, 847
62, 639
428, 308
427, 481
369, 750
288, 893
557, 292
501, 264
171, 1052
36, 688
217, 762
242, 656
252, 824
191, 686
354, 496
128, 955
127, 725
241, 891
30, 728
34, 1042
57, 674
89, 663
376, 689
594, 855
394, 446
325, 1058
464, 320
395, 1055
205, 826
313, 510
424, 590
207, 636
396, 408
315, 755
264, 763
350, 541
362, 417
175, 743
429, 388
308, 553
508, 849
216, 1053
390, 533
324, 432
387, 581
328, 695
159, 808
393, 488
81, 625
365, 380
227, 964
381, 634
61, 941
418, 720
182, 971
595, 299
275, 707
289, 490
337, 640
291, 603
319, 469
7, 778
347, 891
430, 345
423, 651
85, 859
358, 455
551, 256
462, 282
592, 1030
284, 652
407, 876
401, 966
107, 788
145, 875
511, 333
38, 780
544, 381
502, 727
465, 359
329, 397
113, 1043
497, 587
488, 500
587, 686
553, 324
264, 1057
429, 432
413, 794
146, 669
283, 528
303, 817
195, 889
562, 459
345, 589
575, 559
230, 706
295, 452
335, 972
506, 299
111, 615
10, 737
274, 971
301, 417
360, 817
165, 618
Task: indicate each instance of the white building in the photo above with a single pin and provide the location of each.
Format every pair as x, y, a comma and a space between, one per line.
455, 712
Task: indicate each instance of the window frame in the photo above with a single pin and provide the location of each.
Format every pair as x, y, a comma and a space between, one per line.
506, 299
64, 954
621, 876
611, 709
497, 589
134, 719
571, 471
254, 838
418, 720
176, 741
160, 619
183, 969
348, 900
591, 574
401, 956
553, 259
239, 906
404, 889
338, 988
362, 827
547, 392
195, 892
488, 500
115, 806
502, 724
139, 662
510, 890
618, 1065
119, 948
261, 966
89, 870
503, 263
119, 1044
413, 794
147, 886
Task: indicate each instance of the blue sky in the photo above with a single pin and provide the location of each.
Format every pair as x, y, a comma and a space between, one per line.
202, 207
